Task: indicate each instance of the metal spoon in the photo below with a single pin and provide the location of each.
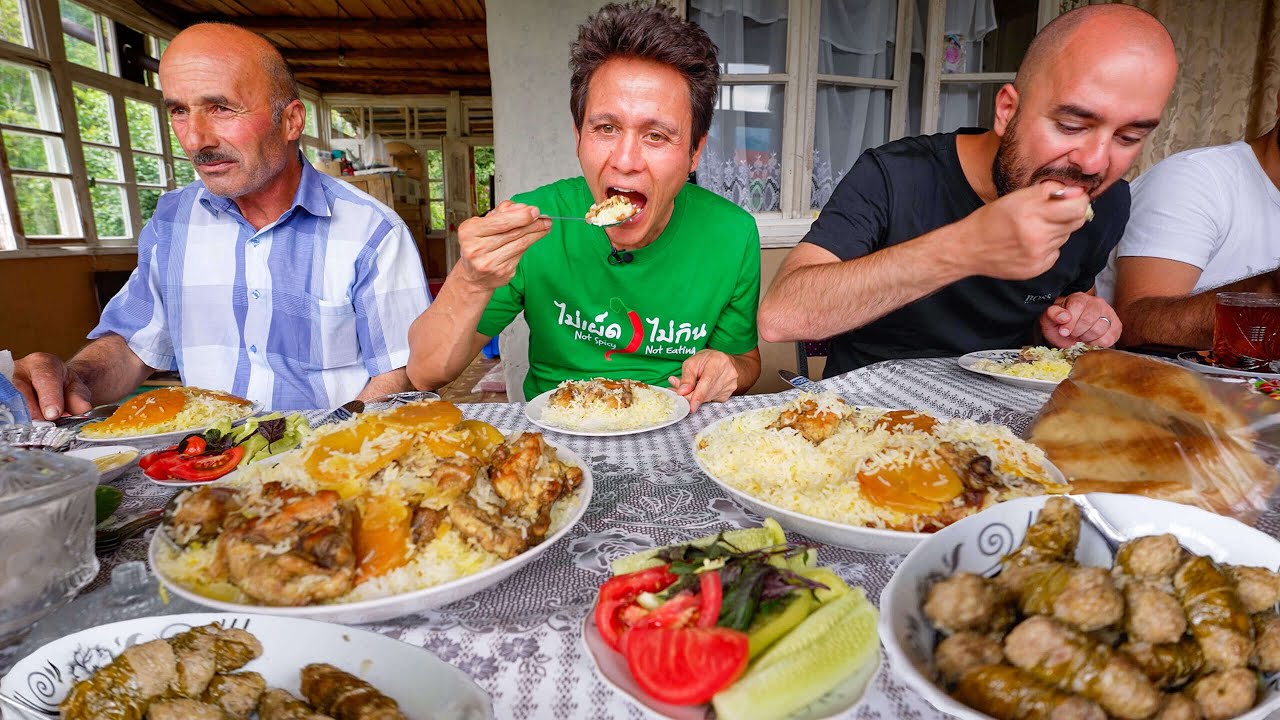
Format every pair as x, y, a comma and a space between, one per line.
1110, 534
101, 411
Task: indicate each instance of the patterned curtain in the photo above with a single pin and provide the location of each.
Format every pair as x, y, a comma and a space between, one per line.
1229, 73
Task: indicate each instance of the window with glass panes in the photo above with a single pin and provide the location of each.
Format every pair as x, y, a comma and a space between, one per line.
435, 190
15, 23
808, 85
38, 184
103, 159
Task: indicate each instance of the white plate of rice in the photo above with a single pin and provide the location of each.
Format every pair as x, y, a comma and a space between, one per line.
201, 409
652, 407
1047, 366
814, 490
394, 595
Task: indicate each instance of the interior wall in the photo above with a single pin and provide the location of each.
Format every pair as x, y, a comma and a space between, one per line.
532, 127
50, 303
778, 356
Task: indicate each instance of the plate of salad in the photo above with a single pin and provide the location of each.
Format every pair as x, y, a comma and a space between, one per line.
743, 621
201, 458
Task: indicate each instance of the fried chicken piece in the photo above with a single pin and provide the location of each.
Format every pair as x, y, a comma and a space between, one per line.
959, 653
345, 696
277, 704
486, 529
424, 523
813, 424
615, 394
974, 469
296, 556
236, 693
198, 515
527, 475
451, 479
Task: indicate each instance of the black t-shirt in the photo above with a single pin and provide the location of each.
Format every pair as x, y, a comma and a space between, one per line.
902, 190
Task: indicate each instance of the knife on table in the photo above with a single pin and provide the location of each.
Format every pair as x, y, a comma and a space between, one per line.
800, 381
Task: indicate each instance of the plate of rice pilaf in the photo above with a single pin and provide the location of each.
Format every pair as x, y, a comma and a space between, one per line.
1037, 367
871, 479
167, 412
603, 407
383, 515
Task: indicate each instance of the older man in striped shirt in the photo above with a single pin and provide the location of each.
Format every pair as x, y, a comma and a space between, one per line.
265, 278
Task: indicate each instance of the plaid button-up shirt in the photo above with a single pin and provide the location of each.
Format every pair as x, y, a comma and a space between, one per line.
299, 314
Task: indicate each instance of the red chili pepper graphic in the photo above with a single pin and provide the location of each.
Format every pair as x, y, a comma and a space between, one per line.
637, 329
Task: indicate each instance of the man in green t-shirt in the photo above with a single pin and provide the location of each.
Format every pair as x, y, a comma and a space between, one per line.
670, 294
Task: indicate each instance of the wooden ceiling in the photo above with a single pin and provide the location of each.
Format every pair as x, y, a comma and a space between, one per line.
382, 47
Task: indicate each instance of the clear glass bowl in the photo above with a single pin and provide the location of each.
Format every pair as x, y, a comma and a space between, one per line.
46, 535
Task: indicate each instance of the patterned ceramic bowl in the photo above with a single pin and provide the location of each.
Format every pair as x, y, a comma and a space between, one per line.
976, 544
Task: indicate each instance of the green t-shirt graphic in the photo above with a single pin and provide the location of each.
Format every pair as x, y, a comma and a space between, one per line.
697, 286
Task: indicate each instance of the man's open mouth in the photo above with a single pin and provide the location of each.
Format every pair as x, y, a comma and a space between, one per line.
637, 198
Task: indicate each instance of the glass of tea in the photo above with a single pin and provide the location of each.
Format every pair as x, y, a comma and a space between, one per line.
1246, 329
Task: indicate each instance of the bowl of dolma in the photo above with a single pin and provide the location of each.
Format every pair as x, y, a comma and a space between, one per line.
232, 665
1024, 611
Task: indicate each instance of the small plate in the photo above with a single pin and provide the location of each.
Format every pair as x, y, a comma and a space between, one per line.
967, 362
1199, 360
119, 468
157, 437
265, 462
421, 683
611, 667
534, 409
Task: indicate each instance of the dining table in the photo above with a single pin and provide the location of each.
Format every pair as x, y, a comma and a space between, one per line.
521, 640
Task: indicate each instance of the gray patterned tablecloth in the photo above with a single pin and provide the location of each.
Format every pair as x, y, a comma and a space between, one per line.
521, 640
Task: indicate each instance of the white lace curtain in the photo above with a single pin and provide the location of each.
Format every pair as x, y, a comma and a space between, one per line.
742, 160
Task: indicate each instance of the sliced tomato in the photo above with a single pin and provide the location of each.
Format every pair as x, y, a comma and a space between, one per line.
676, 612
145, 461
685, 666
619, 593
710, 595
208, 467
158, 467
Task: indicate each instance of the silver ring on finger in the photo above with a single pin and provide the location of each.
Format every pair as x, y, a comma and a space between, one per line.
1105, 319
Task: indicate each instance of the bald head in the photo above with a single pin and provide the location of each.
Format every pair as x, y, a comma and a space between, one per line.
1092, 32
242, 51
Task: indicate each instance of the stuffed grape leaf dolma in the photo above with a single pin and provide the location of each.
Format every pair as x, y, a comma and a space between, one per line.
345, 696
1007, 693
124, 688
1215, 613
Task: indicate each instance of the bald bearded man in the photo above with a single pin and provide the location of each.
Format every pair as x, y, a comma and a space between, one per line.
946, 244
263, 278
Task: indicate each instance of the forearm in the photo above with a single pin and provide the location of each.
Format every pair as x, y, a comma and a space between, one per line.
1185, 321
443, 340
825, 299
389, 382
109, 369
748, 368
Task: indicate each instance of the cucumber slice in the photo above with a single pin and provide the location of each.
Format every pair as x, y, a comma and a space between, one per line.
767, 628
830, 645
835, 585
768, 535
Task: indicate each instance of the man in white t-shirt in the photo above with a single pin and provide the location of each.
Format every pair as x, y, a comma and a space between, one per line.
1203, 221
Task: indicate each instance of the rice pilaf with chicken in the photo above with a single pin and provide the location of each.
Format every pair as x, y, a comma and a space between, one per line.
382, 504
871, 467
601, 404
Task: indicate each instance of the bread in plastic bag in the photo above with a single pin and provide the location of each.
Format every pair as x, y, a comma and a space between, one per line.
1135, 424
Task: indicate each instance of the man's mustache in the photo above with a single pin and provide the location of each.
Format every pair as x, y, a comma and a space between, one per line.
208, 156
1067, 176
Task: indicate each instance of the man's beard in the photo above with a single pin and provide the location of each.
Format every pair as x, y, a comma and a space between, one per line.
1010, 173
